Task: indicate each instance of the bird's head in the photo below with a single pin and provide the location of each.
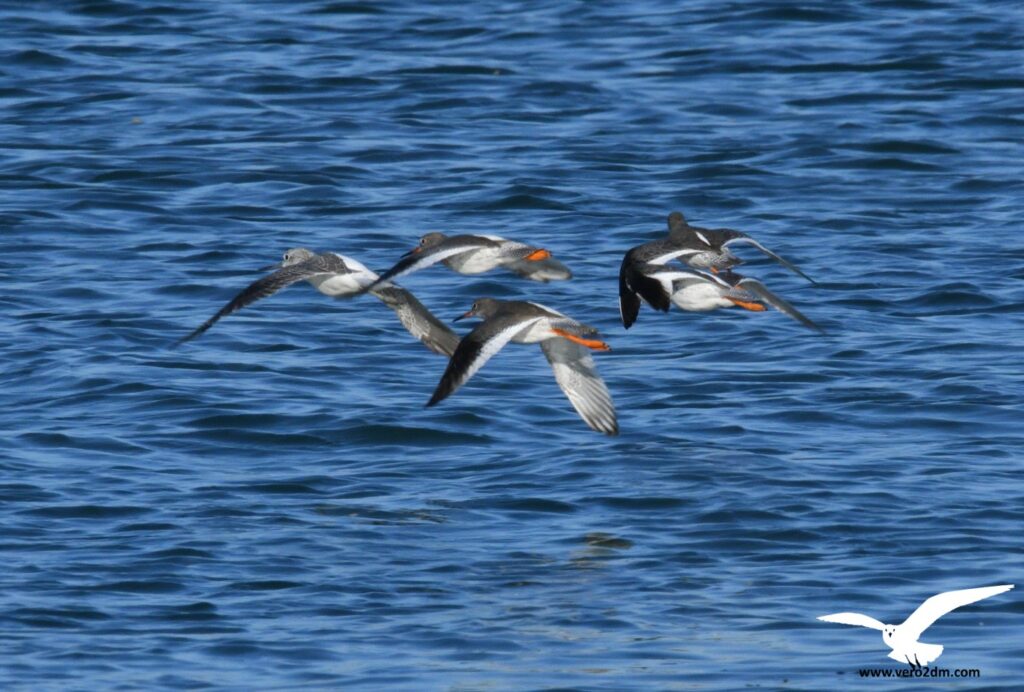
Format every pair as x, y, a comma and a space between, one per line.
888, 632
428, 241
482, 308
296, 255
677, 224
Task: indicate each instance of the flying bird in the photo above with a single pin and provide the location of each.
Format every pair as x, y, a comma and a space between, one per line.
698, 291
475, 254
566, 344
339, 276
903, 639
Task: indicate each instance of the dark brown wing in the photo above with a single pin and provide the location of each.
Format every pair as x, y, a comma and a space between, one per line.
629, 302
635, 284
475, 349
267, 286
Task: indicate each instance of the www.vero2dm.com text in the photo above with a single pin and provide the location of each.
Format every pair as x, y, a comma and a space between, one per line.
931, 673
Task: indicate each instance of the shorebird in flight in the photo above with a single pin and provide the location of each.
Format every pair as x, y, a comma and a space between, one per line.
694, 290
339, 276
566, 344
903, 639
475, 254
641, 276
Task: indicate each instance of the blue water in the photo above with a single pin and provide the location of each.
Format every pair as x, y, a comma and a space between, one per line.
271, 506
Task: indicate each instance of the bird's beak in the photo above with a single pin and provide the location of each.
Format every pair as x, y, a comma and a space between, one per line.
412, 252
463, 316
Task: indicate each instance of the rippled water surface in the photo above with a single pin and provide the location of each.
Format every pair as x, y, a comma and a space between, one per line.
271, 505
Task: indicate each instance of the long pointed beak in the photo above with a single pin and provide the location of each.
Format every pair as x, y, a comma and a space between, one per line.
463, 316
412, 252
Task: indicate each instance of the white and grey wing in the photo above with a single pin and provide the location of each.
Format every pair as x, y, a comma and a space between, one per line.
475, 349
937, 606
577, 375
543, 270
784, 262
421, 260
676, 280
855, 619
674, 253
416, 318
761, 291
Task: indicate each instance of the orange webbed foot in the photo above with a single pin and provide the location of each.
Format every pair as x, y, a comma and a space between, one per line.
589, 343
748, 305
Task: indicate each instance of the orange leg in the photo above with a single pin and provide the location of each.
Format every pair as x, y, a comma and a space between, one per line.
746, 305
589, 343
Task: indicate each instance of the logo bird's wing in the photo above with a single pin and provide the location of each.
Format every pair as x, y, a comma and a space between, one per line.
937, 606
856, 619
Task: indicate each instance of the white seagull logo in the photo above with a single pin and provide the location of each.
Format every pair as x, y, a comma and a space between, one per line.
902, 639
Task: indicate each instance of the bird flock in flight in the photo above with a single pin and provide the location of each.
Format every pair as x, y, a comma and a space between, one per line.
702, 279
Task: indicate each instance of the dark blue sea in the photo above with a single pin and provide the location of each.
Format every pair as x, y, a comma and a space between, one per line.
271, 506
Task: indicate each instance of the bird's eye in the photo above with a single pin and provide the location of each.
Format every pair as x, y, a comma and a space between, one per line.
285, 258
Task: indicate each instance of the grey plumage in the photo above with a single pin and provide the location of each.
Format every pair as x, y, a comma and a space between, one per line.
714, 243
416, 318
765, 296
339, 276
306, 268
576, 374
571, 362
474, 254
544, 270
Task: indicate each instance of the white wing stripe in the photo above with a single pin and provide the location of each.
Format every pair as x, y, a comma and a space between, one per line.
551, 310
692, 276
429, 258
662, 259
491, 347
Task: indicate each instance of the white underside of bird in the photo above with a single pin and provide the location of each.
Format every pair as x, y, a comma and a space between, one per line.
696, 291
915, 653
477, 261
701, 297
341, 285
